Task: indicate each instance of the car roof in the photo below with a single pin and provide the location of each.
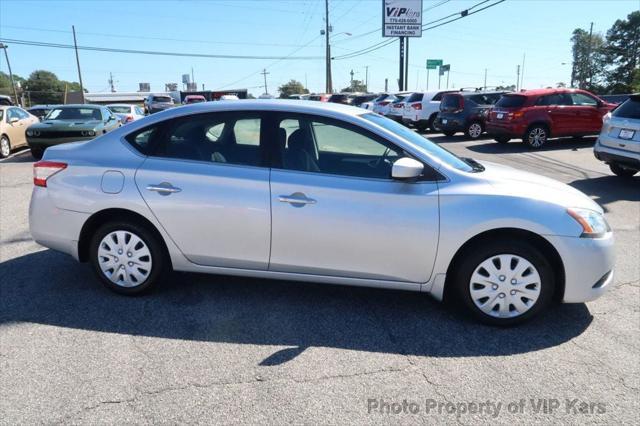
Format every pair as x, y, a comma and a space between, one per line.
79, 106
122, 105
42, 106
548, 91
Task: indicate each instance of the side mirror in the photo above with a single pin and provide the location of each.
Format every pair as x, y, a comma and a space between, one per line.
406, 168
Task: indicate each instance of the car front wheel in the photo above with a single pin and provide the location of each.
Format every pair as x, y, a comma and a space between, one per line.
536, 137
5, 147
474, 130
127, 258
504, 283
621, 171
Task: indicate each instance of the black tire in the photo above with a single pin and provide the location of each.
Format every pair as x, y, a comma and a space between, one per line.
5, 147
536, 136
502, 139
448, 133
37, 153
621, 171
431, 124
421, 128
478, 253
474, 130
159, 259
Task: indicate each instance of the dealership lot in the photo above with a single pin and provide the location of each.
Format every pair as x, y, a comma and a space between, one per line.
238, 350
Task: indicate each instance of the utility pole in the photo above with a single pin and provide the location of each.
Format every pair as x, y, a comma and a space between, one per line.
329, 85
113, 89
518, 78
386, 85
485, 79
193, 80
264, 73
366, 77
6, 56
351, 81
524, 55
75, 45
589, 55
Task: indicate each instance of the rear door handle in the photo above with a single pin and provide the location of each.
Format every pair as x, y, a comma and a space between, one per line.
296, 198
164, 188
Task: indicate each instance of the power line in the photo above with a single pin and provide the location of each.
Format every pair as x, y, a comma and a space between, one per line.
152, 52
425, 27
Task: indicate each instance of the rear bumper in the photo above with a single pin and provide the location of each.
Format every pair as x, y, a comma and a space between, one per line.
52, 227
614, 155
452, 124
588, 266
512, 130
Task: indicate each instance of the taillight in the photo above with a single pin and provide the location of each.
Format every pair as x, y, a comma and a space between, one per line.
516, 115
129, 118
417, 105
43, 170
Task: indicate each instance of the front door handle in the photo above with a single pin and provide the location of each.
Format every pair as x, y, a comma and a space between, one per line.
296, 198
164, 188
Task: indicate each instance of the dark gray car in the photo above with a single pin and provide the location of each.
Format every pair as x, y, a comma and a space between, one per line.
156, 103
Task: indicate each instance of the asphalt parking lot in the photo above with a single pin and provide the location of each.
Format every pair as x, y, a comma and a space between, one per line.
211, 349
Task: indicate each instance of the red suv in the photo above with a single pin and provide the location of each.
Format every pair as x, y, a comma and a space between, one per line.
537, 115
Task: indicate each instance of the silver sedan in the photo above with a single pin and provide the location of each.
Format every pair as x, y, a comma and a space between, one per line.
318, 192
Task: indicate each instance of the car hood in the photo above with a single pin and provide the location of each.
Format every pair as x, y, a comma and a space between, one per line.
509, 181
67, 125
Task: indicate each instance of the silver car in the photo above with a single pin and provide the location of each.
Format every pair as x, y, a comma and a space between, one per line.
619, 142
310, 191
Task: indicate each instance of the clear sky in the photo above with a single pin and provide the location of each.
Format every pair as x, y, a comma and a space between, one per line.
495, 39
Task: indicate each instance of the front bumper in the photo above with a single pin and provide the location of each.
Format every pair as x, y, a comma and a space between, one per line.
618, 156
588, 266
52, 227
47, 142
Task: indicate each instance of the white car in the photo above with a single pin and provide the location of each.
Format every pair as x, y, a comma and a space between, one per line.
382, 103
126, 113
396, 108
421, 108
619, 142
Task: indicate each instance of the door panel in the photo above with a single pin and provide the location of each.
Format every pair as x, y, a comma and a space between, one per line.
220, 216
360, 228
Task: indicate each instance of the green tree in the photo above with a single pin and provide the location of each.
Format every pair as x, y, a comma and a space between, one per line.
622, 54
5, 84
44, 87
635, 84
509, 88
291, 88
356, 86
587, 71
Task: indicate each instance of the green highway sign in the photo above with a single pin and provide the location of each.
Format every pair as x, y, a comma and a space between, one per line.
432, 64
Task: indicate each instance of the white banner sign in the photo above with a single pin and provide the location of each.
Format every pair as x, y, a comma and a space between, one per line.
401, 18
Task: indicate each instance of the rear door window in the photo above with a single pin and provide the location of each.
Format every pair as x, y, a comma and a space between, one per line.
415, 97
511, 101
628, 109
580, 99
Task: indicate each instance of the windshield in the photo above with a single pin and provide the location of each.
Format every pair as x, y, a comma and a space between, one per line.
419, 142
120, 109
166, 99
74, 114
629, 109
511, 101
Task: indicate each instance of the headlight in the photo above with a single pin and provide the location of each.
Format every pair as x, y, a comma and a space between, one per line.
88, 133
35, 133
593, 224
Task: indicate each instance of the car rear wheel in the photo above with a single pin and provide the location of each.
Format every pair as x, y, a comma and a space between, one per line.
37, 153
127, 258
5, 147
622, 171
505, 282
432, 123
502, 140
474, 130
536, 136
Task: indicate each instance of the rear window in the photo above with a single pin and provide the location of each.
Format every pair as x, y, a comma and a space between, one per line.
120, 109
511, 101
628, 109
450, 102
381, 97
415, 97
162, 99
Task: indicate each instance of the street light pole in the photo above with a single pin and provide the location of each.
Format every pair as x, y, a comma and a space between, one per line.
75, 45
6, 55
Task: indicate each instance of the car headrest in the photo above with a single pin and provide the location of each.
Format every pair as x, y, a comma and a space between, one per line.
282, 138
298, 140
